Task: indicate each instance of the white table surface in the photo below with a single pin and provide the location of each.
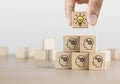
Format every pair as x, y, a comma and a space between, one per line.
30, 72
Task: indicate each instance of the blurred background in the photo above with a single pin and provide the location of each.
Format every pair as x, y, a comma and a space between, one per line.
24, 23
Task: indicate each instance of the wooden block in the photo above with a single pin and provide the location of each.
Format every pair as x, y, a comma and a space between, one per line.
79, 20
48, 44
87, 44
80, 60
40, 55
3, 52
97, 61
52, 55
114, 54
63, 60
71, 43
107, 55
21, 53
31, 52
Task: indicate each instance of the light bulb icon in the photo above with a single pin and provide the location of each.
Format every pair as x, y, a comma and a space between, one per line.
80, 20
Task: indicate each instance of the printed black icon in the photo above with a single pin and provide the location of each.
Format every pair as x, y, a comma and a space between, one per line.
97, 61
71, 43
64, 60
88, 43
80, 60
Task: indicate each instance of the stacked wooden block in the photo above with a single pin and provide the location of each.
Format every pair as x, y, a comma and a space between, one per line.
80, 53
3, 52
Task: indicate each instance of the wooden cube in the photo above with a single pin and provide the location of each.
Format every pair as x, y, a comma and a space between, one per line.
80, 60
71, 43
48, 44
52, 55
97, 61
114, 54
40, 55
31, 52
79, 20
63, 60
21, 53
3, 52
107, 55
87, 44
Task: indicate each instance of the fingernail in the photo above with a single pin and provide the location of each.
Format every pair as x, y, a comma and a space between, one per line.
92, 19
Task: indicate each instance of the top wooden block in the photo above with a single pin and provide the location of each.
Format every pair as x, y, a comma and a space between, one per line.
79, 20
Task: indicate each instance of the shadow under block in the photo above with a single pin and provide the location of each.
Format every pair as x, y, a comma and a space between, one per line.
71, 43
48, 44
31, 52
21, 53
80, 60
97, 61
87, 44
63, 60
3, 52
40, 55
79, 20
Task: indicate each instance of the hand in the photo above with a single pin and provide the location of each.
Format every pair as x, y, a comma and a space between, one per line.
93, 11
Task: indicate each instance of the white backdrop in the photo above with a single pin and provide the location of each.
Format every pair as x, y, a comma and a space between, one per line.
25, 22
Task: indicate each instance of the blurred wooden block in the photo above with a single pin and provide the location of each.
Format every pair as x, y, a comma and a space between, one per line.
87, 44
48, 44
31, 52
79, 20
63, 60
107, 55
40, 55
97, 61
52, 55
71, 43
3, 52
114, 54
80, 60
21, 53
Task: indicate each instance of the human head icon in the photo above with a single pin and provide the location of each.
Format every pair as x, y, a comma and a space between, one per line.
80, 61
63, 60
71, 43
97, 61
88, 43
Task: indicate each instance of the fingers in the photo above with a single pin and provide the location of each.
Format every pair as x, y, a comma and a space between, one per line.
94, 7
69, 8
82, 1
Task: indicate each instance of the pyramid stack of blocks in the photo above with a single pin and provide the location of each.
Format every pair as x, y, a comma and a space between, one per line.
80, 53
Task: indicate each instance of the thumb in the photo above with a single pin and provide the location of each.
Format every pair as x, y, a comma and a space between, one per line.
94, 7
